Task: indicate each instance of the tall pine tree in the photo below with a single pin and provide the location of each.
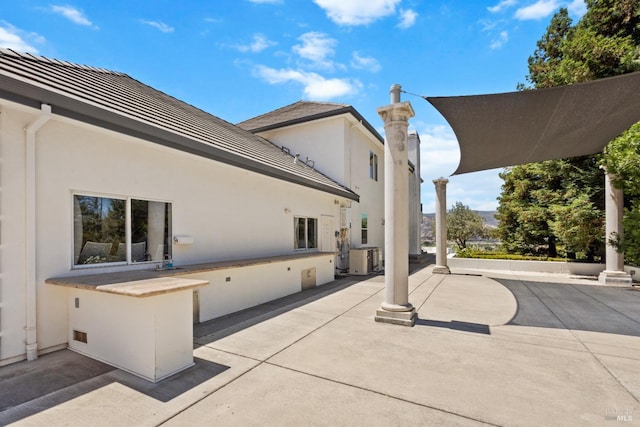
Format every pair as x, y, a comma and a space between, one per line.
559, 203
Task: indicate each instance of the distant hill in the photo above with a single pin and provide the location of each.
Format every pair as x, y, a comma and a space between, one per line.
428, 220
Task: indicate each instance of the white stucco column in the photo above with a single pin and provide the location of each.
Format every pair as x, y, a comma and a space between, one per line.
396, 307
613, 202
441, 226
415, 207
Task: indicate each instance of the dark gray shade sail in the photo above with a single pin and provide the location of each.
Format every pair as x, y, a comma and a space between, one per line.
515, 128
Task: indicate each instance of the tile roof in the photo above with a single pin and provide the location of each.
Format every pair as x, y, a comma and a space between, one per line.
302, 112
116, 101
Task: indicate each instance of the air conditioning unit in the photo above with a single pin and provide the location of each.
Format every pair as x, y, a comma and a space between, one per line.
363, 260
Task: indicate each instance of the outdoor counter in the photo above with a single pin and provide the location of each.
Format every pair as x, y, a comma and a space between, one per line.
143, 326
141, 321
97, 281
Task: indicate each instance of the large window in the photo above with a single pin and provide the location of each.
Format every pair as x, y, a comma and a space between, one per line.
305, 232
120, 230
364, 227
373, 166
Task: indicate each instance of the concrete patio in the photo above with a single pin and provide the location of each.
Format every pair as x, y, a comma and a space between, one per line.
498, 349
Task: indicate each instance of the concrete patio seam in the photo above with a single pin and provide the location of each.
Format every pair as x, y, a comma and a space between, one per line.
204, 396
383, 394
260, 362
615, 355
270, 314
594, 355
605, 304
430, 293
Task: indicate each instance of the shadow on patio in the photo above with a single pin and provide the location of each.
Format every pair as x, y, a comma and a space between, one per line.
593, 308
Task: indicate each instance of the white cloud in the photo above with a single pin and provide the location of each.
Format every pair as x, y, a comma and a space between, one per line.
538, 10
504, 4
323, 89
357, 12
158, 25
315, 46
407, 18
498, 42
72, 14
13, 38
439, 157
260, 43
365, 63
577, 8
440, 154
478, 190
488, 25
315, 86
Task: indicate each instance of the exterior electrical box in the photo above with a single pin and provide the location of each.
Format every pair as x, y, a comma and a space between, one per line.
345, 218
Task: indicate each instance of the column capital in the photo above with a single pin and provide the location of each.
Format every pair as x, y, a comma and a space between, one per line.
441, 181
401, 111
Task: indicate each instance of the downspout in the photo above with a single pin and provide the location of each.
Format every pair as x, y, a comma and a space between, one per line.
31, 239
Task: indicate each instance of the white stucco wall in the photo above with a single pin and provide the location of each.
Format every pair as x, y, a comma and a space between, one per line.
231, 213
322, 141
235, 289
12, 234
340, 147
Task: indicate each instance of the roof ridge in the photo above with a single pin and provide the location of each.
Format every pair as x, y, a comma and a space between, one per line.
324, 103
58, 62
292, 106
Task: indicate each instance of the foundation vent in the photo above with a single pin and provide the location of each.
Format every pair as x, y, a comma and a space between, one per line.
308, 278
80, 336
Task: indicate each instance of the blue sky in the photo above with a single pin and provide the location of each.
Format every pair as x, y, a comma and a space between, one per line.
240, 58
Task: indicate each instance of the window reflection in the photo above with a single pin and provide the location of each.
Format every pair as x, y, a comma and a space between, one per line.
100, 230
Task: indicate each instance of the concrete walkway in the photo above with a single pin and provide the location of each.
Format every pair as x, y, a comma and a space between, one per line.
508, 350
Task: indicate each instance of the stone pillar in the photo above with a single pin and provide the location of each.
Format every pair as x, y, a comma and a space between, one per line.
441, 226
415, 207
614, 273
396, 307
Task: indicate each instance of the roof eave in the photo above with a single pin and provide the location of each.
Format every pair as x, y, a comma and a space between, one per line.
326, 114
33, 96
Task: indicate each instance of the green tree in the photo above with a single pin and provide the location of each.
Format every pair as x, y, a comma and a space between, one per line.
560, 203
463, 224
622, 160
551, 205
545, 61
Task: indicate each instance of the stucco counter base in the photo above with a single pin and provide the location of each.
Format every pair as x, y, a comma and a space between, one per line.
141, 326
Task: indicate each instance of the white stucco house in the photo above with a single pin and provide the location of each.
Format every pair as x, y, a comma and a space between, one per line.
126, 213
337, 141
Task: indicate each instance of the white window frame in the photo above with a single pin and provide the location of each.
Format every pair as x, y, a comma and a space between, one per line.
364, 229
128, 222
306, 233
373, 166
